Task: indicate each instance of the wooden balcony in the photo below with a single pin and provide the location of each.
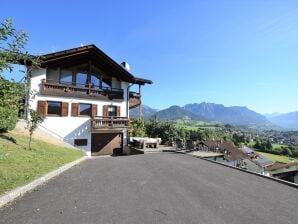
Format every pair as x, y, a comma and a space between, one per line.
134, 99
87, 91
109, 122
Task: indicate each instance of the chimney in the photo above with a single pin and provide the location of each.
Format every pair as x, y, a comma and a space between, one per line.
126, 66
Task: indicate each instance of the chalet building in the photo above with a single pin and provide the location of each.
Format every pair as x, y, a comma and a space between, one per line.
85, 96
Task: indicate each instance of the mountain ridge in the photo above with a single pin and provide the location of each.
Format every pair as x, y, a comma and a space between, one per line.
288, 120
235, 115
212, 112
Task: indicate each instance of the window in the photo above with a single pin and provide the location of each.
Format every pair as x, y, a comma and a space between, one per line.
54, 108
85, 109
95, 81
112, 112
52, 74
82, 79
106, 83
66, 76
81, 142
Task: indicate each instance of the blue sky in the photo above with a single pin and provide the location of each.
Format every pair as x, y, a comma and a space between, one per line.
233, 52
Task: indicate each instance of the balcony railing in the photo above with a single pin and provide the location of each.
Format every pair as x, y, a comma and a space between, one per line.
58, 88
134, 99
109, 122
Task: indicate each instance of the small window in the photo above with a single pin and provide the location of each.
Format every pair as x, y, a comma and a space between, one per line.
85, 109
66, 76
112, 112
81, 142
54, 108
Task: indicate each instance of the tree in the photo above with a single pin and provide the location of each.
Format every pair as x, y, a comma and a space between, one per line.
137, 128
11, 94
286, 151
32, 123
12, 44
268, 145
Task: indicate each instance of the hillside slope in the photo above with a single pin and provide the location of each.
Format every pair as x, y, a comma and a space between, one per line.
146, 111
175, 113
19, 166
289, 120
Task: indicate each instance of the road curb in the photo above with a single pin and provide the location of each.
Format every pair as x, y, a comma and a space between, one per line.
19, 191
246, 171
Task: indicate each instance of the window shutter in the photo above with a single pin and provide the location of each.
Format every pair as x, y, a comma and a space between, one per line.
94, 110
105, 111
74, 109
64, 110
42, 107
118, 111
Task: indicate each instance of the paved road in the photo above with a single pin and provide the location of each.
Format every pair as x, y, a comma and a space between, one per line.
155, 188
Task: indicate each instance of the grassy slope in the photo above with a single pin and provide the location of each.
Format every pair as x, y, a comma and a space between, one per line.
277, 158
277, 146
19, 165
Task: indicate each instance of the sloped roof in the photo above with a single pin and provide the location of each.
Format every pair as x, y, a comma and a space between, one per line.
277, 165
235, 154
263, 161
248, 150
91, 53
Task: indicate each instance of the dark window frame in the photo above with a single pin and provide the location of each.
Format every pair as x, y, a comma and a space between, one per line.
114, 112
90, 110
70, 82
54, 114
74, 73
81, 142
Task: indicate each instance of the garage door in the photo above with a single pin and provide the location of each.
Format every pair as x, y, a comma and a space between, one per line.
106, 144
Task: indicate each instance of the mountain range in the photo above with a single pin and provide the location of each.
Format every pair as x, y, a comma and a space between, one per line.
211, 112
146, 111
288, 121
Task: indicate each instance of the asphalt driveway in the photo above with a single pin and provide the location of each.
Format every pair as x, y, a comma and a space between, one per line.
155, 188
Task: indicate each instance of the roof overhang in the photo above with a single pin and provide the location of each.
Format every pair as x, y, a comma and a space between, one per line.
90, 54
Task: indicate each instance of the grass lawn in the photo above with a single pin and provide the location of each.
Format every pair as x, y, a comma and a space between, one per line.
277, 158
18, 165
275, 146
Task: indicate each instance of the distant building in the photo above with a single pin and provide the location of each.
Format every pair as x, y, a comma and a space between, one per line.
285, 171
231, 154
256, 162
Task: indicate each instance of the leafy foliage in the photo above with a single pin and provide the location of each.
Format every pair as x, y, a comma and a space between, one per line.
265, 146
12, 44
11, 94
171, 133
137, 128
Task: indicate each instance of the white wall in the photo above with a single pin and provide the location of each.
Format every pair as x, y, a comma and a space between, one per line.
70, 128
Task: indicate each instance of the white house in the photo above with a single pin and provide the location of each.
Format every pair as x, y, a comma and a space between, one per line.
85, 96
